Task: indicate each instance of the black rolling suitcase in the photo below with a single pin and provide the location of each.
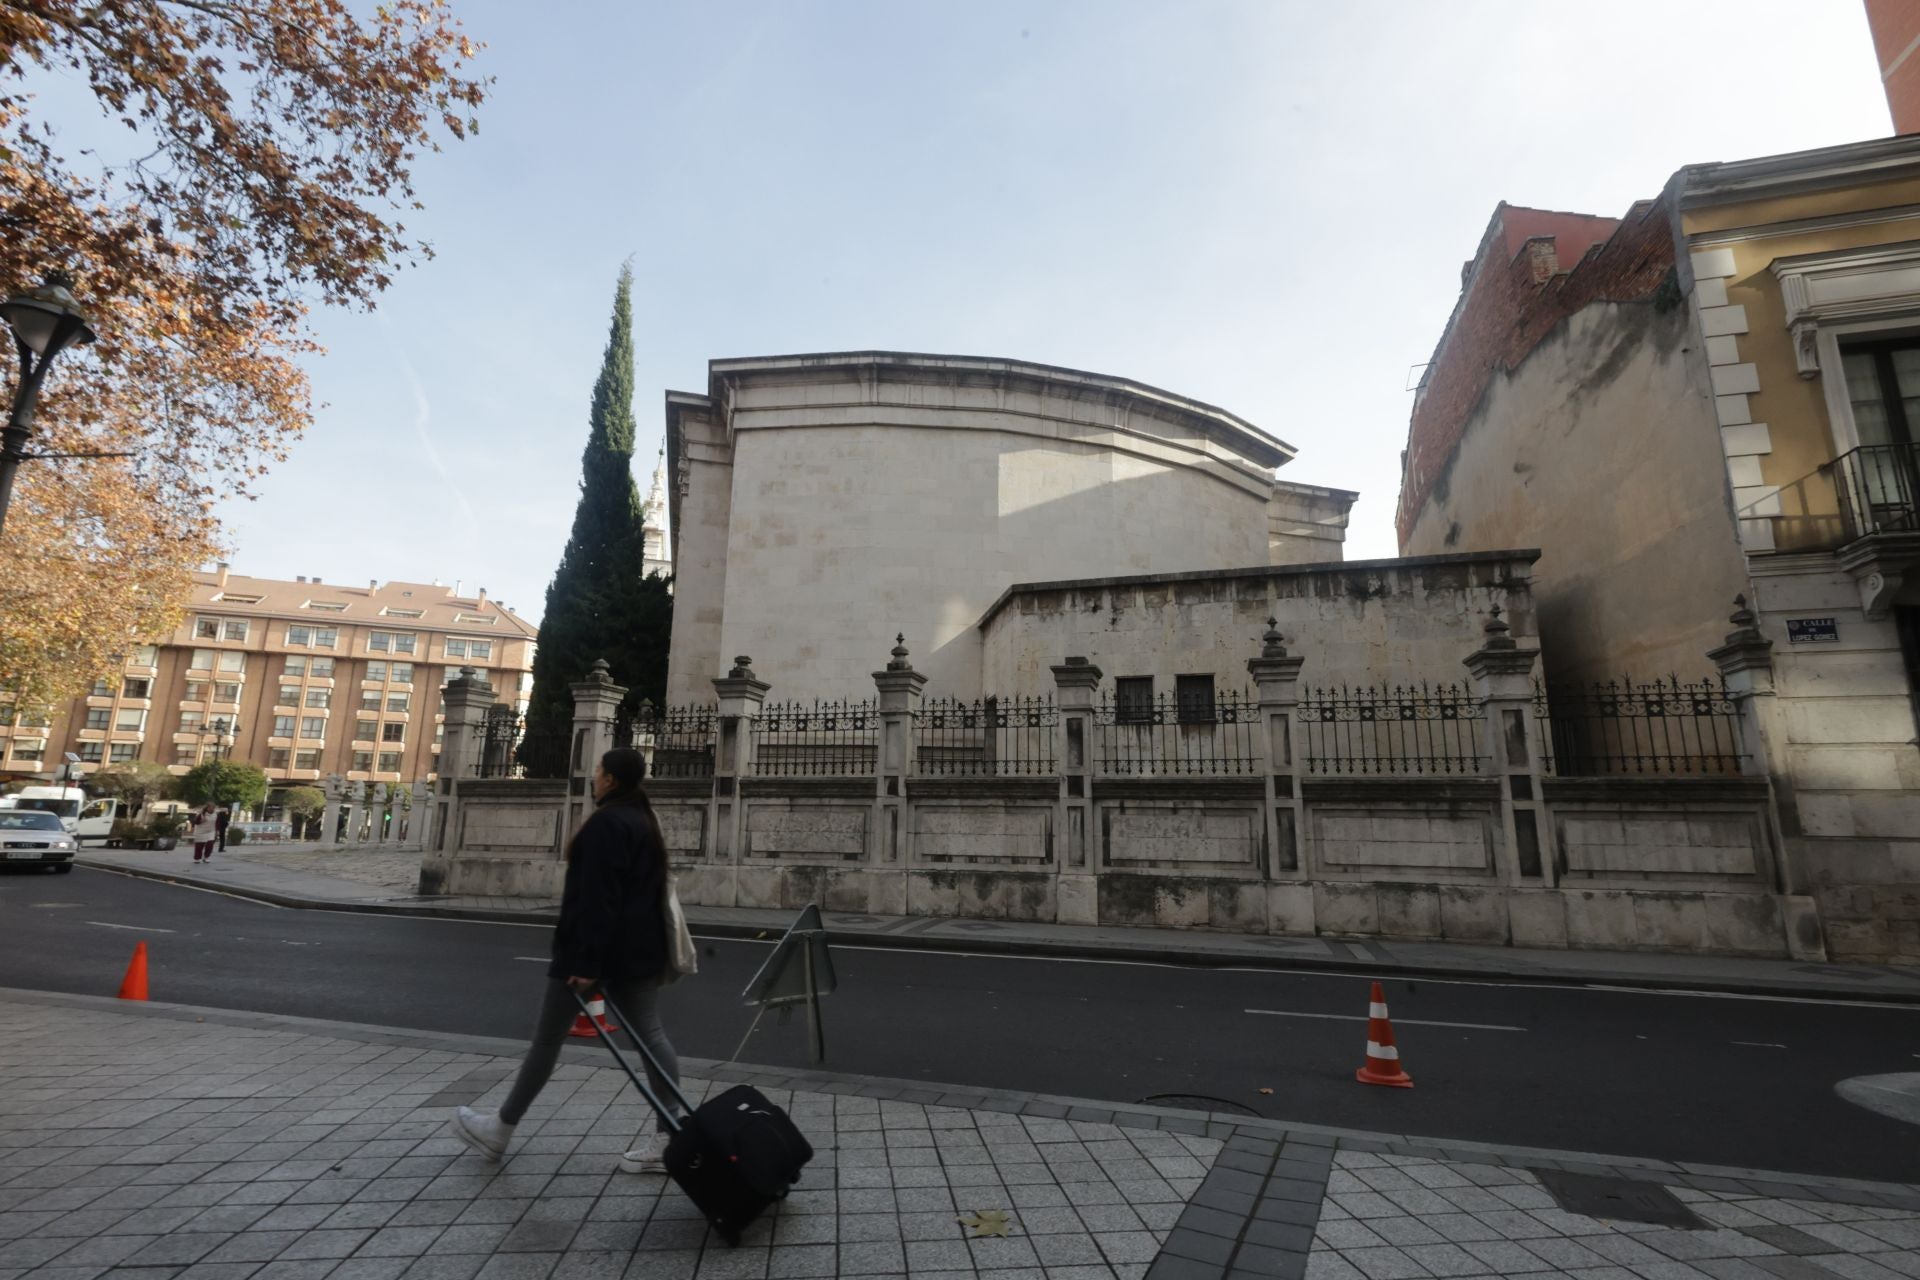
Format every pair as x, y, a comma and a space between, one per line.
734, 1154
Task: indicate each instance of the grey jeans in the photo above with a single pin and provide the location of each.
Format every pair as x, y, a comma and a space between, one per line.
637, 998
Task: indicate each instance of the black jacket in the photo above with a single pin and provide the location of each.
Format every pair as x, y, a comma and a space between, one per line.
611, 924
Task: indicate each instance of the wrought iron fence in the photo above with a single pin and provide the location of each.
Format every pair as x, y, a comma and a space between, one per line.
815, 739
991, 736
1161, 735
1406, 730
507, 750
1665, 727
682, 737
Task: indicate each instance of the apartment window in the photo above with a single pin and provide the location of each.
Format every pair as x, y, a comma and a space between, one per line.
145, 655
97, 717
186, 753
402, 673
227, 692
296, 664
470, 649
91, 752
6, 713
369, 699
192, 721
1883, 385
302, 636
314, 727
1133, 700
121, 752
289, 696
219, 629
233, 629
232, 663
35, 750
389, 762
206, 628
313, 637
319, 697
393, 731
277, 757
196, 691
391, 641
131, 720
327, 606
401, 702
1193, 699
136, 687
322, 667
401, 613
283, 726
363, 761
202, 660
33, 720
101, 689
306, 760
377, 670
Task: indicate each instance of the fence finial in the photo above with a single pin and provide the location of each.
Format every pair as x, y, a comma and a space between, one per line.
600, 673
1271, 645
1499, 634
742, 668
1741, 616
900, 661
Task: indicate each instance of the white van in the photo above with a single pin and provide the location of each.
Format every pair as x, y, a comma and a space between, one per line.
63, 802
97, 818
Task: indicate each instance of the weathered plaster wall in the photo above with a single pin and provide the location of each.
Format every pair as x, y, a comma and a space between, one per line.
702, 509
1601, 449
1361, 623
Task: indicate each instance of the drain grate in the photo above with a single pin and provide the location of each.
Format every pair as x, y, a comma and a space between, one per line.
1621, 1199
1198, 1102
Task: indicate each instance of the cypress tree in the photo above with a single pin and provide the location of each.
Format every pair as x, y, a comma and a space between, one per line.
599, 604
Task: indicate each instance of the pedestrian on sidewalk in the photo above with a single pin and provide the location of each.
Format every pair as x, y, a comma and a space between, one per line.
612, 934
205, 832
220, 820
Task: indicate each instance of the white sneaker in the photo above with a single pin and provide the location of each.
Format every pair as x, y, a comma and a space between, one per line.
649, 1157
484, 1131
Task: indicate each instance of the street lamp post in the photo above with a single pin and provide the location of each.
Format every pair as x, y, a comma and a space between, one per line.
45, 322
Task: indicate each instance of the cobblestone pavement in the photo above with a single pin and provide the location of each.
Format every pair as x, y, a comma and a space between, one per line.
157, 1142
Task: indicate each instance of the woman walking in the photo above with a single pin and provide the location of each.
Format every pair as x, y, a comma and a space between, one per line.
612, 934
205, 832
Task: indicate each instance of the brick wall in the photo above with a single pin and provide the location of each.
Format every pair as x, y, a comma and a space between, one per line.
1534, 269
1896, 28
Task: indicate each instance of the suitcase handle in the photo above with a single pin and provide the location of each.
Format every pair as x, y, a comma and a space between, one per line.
620, 1017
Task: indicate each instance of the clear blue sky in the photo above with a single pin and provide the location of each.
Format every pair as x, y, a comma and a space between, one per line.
1263, 205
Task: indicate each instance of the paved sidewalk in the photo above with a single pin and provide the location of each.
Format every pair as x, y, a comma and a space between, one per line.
155, 1142
361, 880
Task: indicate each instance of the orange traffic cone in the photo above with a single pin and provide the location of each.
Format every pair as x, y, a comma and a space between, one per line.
582, 1026
1383, 1057
134, 985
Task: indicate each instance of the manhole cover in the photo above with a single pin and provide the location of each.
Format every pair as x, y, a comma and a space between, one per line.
1622, 1199
1197, 1102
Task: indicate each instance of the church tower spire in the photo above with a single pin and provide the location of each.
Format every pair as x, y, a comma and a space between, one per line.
653, 521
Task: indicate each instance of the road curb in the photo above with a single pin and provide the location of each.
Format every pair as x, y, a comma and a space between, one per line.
1077, 950
1045, 1106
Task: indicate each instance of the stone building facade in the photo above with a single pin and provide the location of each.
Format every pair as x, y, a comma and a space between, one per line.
1734, 365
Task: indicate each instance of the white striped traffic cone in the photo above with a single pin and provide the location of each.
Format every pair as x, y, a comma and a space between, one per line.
597, 1006
1383, 1057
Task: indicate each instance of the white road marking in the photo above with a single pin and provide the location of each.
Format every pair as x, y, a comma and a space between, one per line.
137, 928
535, 959
1412, 1022
1756, 1044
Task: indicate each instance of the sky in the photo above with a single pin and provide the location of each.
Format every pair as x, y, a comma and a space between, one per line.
1263, 205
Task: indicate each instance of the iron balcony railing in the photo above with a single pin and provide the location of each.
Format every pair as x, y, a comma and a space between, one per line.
1879, 489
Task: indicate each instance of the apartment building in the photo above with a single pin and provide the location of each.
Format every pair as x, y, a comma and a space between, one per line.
303, 678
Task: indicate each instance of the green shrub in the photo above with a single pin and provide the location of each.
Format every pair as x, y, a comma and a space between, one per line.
236, 836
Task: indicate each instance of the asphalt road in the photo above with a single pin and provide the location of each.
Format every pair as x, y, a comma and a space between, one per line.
1721, 1080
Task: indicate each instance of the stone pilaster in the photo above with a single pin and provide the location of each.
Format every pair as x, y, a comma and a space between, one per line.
1502, 672
1076, 682
1746, 669
1276, 680
596, 700
740, 695
900, 689
335, 787
468, 698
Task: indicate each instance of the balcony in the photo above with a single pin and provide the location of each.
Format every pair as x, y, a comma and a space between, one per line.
1877, 488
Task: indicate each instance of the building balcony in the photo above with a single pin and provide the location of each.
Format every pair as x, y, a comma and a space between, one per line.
1877, 488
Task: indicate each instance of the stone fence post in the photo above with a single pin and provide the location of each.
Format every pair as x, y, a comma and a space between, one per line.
740, 695
1276, 677
468, 698
334, 786
1746, 668
420, 816
900, 690
1078, 892
595, 702
1502, 672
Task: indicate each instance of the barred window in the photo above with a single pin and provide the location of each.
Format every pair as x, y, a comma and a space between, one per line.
1194, 698
1133, 700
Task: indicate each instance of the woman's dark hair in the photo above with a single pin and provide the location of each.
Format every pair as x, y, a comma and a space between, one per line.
625, 766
